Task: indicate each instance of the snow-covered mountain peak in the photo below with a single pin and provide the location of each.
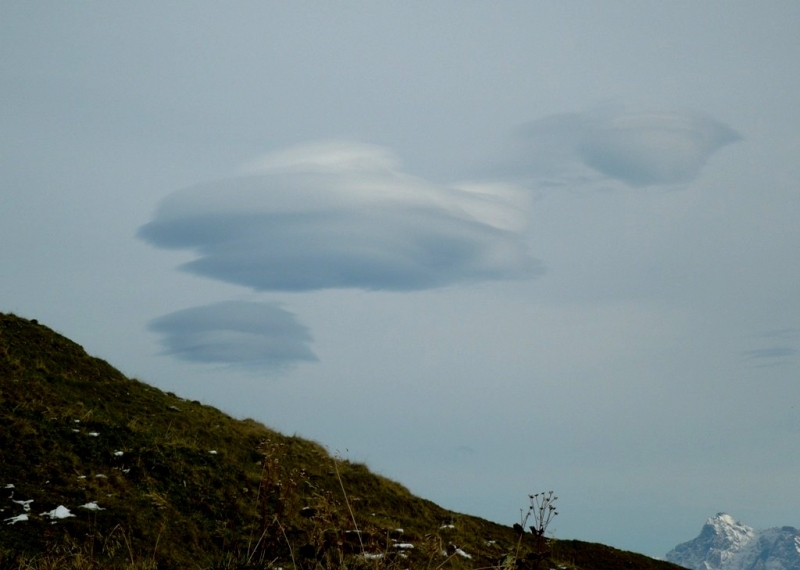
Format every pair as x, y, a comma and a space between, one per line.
726, 544
724, 519
729, 533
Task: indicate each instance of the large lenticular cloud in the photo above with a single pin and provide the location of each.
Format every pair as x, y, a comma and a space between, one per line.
639, 148
341, 215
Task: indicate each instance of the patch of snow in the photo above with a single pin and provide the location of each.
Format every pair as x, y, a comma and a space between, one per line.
9, 486
463, 554
26, 505
100, 476
77, 421
93, 434
404, 545
76, 431
16, 519
92, 507
444, 526
370, 556
60, 512
213, 452
119, 453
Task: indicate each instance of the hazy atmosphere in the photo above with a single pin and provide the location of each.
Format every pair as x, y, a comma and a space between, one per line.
488, 248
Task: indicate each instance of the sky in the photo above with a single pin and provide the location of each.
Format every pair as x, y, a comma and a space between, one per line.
489, 249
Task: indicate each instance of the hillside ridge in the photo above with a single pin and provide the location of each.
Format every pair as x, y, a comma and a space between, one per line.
98, 470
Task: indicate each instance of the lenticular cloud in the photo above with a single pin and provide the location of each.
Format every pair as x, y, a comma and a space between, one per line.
639, 148
342, 215
237, 333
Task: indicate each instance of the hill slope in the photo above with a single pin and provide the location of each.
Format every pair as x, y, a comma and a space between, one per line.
101, 471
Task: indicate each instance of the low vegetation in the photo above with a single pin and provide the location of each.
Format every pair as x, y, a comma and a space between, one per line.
101, 471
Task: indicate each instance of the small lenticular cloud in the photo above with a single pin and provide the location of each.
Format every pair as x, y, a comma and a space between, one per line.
637, 148
769, 353
235, 333
770, 356
342, 215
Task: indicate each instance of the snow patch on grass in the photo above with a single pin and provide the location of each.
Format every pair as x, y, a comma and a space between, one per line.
60, 512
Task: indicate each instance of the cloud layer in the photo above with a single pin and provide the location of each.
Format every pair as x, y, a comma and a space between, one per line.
341, 215
235, 332
639, 148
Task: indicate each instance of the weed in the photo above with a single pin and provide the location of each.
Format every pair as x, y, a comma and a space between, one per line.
542, 509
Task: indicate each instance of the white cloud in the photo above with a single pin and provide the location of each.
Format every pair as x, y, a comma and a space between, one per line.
639, 148
342, 215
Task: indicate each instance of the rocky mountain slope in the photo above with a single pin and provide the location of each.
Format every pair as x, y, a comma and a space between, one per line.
726, 544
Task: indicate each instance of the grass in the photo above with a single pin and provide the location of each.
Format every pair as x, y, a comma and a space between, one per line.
183, 485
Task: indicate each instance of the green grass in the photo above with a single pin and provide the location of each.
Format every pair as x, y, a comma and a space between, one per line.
263, 500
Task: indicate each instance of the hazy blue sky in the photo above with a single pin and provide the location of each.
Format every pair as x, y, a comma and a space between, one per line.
488, 248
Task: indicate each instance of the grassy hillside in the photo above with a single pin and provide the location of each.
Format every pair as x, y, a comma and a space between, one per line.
101, 471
